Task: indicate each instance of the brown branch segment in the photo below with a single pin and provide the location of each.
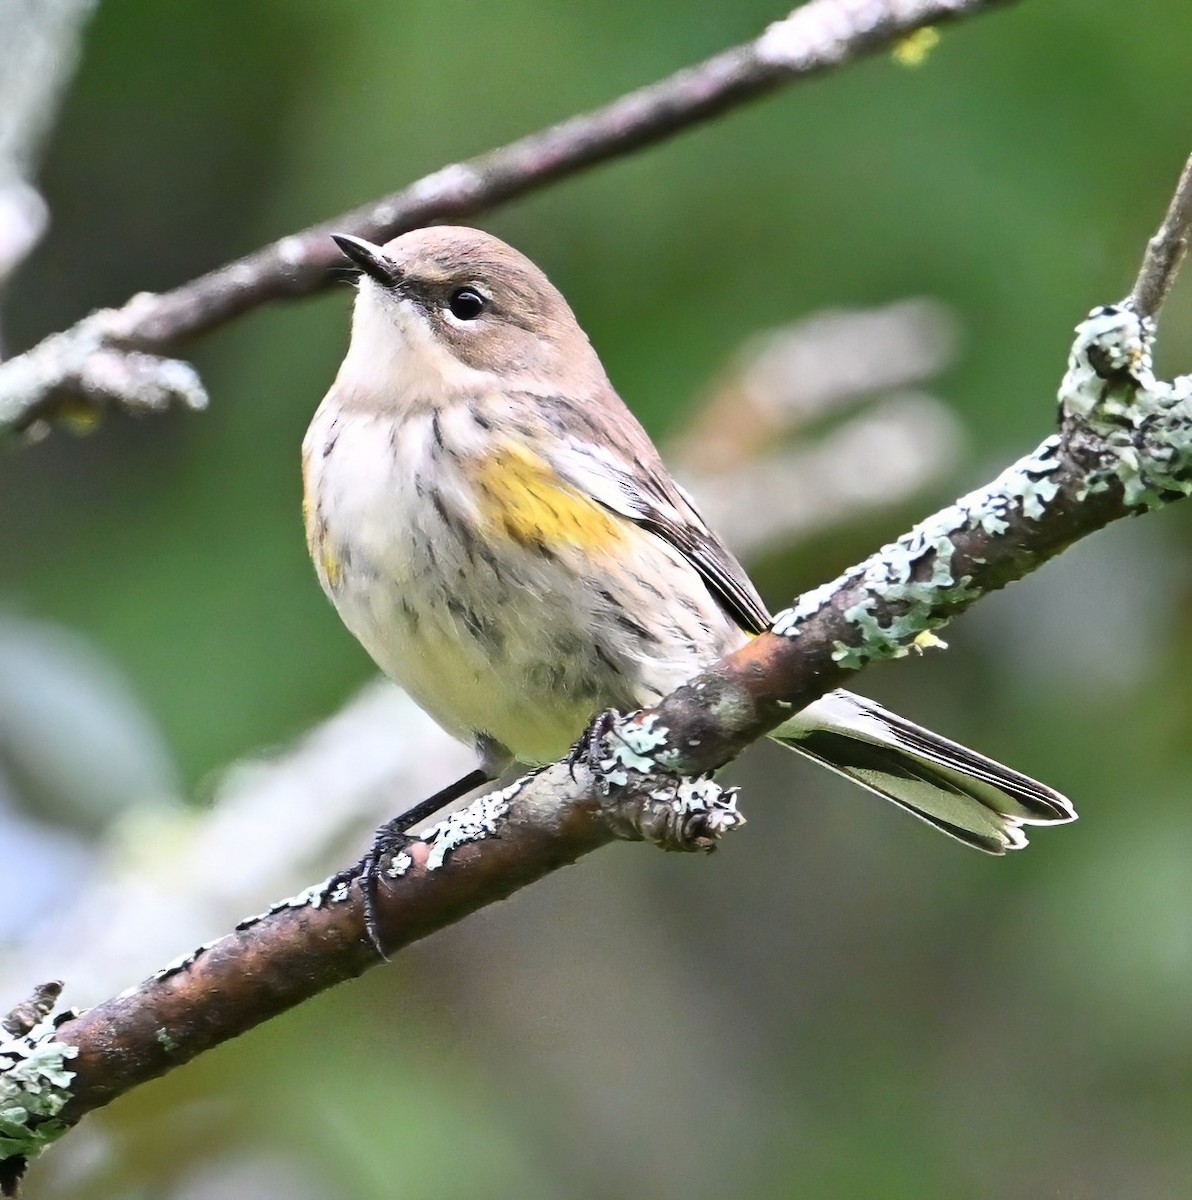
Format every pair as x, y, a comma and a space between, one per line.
290, 954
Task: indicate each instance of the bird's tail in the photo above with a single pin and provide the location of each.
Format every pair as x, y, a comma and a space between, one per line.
962, 793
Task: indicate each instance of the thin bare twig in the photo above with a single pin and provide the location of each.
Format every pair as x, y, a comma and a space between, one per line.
39, 47
1165, 251
816, 37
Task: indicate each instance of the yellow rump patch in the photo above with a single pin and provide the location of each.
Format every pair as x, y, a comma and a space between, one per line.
522, 498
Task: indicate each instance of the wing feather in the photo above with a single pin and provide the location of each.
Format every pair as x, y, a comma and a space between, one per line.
647, 495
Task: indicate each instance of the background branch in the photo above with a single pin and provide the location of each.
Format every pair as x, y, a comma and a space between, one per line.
818, 36
749, 440
38, 50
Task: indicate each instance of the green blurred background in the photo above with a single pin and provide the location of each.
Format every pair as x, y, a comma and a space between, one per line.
840, 1003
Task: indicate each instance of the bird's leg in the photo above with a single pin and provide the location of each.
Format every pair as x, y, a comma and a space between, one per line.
393, 837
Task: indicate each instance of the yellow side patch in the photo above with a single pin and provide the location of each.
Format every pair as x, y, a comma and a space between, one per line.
321, 551
330, 566
308, 505
316, 540
522, 498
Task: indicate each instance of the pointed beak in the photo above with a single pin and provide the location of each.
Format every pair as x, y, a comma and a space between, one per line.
372, 260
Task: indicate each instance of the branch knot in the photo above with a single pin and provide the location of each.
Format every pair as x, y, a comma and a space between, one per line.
646, 801
1141, 425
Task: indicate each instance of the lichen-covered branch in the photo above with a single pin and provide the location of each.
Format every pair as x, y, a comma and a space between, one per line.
304, 944
39, 47
35, 1085
70, 377
818, 36
1125, 446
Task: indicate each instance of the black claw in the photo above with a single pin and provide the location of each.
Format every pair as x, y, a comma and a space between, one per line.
587, 749
388, 842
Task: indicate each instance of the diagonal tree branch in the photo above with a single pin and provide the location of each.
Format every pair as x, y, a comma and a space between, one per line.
1124, 447
60, 375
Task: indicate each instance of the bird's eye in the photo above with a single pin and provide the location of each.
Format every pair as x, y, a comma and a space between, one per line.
466, 304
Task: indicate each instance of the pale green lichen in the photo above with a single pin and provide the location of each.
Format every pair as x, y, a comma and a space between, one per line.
330, 891
1144, 423
681, 813
183, 961
333, 890
34, 1088
916, 575
1144, 431
717, 805
787, 622
166, 1040
684, 814
401, 862
631, 743
479, 820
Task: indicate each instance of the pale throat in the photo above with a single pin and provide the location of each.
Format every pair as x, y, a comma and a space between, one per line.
395, 361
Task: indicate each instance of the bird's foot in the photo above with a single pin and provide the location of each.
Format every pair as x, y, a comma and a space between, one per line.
587, 748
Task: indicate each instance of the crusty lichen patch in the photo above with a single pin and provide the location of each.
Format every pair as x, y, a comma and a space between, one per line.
913, 581
1144, 423
479, 820
34, 1088
677, 813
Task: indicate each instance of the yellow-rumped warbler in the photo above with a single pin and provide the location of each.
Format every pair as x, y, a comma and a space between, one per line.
500, 533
